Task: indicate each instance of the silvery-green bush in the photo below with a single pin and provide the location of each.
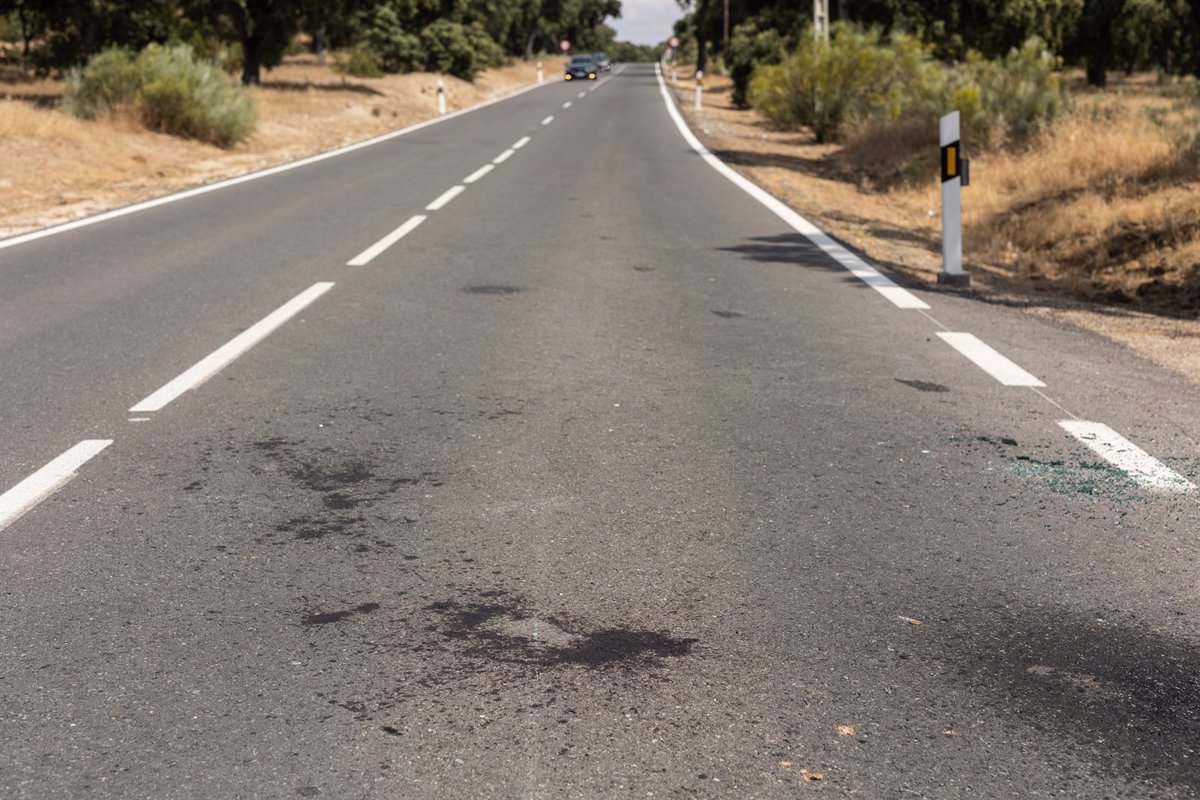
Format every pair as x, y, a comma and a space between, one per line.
168, 89
859, 77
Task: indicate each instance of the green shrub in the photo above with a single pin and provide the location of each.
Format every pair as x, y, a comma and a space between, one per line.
459, 50
388, 44
749, 47
168, 89
859, 80
359, 62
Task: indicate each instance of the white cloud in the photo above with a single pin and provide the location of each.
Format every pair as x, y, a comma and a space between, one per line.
646, 21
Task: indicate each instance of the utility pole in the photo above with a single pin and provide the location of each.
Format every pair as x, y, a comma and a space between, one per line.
725, 44
821, 20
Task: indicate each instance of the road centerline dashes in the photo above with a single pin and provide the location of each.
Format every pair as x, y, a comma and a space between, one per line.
505, 156
23, 497
479, 173
230, 351
368, 255
445, 197
548, 119
988, 359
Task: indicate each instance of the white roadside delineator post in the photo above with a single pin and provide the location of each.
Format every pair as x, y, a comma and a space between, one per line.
699, 86
953, 179
441, 97
539, 70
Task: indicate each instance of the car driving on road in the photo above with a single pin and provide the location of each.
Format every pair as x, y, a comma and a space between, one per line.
601, 61
581, 67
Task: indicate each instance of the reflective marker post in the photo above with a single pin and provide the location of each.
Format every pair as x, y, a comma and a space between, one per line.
952, 183
539, 67
699, 86
441, 96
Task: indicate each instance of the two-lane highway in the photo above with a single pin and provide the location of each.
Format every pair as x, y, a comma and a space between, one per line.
579, 472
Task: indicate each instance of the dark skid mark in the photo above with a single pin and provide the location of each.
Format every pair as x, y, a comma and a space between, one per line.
923, 386
493, 289
727, 314
1118, 687
328, 617
643, 269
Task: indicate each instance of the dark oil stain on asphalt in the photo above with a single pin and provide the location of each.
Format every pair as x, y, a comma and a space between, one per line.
494, 289
728, 314
643, 269
485, 629
347, 489
923, 386
329, 617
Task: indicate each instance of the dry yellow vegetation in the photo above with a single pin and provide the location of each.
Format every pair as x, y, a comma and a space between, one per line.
1101, 208
54, 167
1103, 205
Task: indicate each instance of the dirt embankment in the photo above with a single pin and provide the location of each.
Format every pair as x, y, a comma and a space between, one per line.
1094, 224
55, 168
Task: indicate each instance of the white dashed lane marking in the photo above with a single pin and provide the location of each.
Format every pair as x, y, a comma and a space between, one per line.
226, 354
988, 360
366, 256
1126, 456
20, 499
445, 197
479, 173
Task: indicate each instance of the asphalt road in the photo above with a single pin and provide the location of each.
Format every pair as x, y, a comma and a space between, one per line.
602, 481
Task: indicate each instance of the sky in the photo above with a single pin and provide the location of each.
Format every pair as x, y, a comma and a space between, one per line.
646, 21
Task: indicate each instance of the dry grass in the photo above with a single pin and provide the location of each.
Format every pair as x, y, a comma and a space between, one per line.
54, 167
1103, 207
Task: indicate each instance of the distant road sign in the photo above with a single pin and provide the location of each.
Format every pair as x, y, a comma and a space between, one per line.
564, 45
674, 42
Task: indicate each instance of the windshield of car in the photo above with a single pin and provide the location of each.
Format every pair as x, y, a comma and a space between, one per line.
580, 61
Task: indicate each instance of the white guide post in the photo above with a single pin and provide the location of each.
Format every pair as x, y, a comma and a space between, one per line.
952, 183
699, 86
441, 96
539, 70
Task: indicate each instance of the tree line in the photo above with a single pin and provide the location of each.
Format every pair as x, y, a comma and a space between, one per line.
398, 35
1098, 35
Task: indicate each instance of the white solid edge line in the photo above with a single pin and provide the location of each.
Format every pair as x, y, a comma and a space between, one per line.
897, 295
1126, 456
445, 198
519, 143
223, 356
46, 481
989, 360
548, 120
253, 176
479, 173
567, 104
505, 156
368, 255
